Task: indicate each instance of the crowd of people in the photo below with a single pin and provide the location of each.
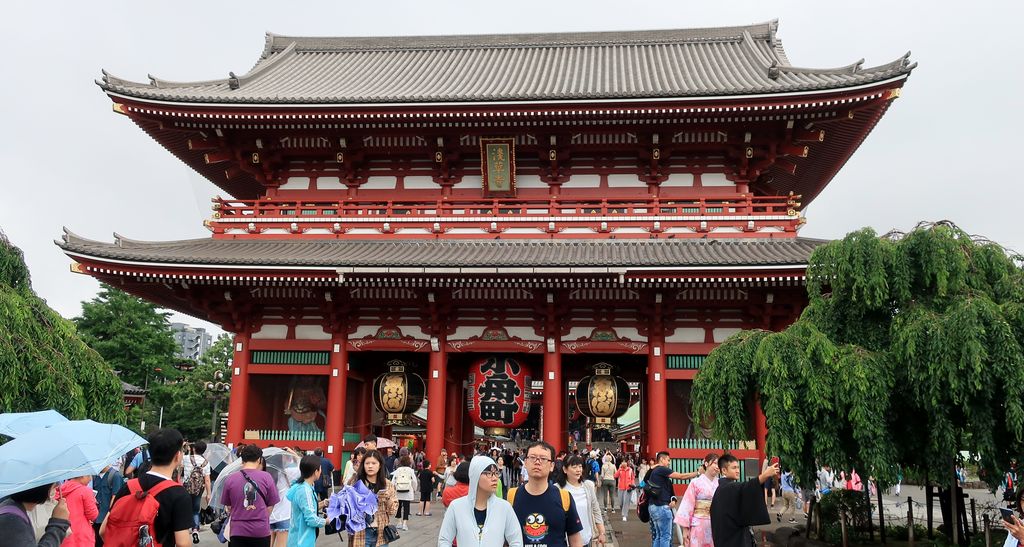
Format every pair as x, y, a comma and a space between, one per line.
494, 496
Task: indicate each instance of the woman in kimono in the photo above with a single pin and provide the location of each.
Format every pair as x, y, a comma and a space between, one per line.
694, 514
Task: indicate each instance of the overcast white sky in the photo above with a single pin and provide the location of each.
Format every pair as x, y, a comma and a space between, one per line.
947, 149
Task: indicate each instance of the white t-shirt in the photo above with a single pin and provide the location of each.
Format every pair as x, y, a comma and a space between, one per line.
200, 462
579, 493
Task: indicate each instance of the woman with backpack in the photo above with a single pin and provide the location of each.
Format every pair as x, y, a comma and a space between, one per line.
196, 480
406, 487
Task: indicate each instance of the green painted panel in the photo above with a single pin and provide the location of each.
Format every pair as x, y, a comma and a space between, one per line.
267, 357
685, 362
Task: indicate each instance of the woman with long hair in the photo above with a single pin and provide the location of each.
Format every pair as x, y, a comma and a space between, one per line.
587, 505
372, 475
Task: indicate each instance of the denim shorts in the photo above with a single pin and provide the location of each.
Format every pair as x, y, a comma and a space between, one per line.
280, 526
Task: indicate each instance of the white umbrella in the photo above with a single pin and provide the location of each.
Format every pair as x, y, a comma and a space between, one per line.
218, 454
381, 443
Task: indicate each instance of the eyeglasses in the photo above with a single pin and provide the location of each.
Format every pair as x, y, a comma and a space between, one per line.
537, 459
490, 474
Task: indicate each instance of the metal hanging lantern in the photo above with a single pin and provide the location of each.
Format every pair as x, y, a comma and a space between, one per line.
496, 394
398, 393
602, 397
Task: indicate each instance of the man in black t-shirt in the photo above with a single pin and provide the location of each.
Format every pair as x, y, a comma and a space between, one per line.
546, 513
660, 477
174, 518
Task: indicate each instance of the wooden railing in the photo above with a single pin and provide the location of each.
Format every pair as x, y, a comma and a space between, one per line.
491, 217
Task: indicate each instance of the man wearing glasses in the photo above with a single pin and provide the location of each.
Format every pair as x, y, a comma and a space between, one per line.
546, 513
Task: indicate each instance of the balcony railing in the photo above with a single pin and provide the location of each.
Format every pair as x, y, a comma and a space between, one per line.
552, 217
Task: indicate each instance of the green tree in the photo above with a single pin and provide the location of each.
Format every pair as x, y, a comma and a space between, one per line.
131, 334
44, 363
908, 352
187, 404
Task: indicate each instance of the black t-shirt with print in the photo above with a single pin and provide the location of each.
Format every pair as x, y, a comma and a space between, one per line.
542, 519
175, 511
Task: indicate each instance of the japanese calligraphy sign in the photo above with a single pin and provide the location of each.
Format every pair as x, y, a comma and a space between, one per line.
497, 394
498, 166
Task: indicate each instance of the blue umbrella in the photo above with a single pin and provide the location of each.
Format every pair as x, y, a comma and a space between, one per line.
15, 424
62, 451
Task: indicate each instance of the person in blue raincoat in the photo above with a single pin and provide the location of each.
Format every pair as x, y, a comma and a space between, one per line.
305, 517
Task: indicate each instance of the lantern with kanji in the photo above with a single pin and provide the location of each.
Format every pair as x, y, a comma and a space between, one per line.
496, 394
602, 397
398, 393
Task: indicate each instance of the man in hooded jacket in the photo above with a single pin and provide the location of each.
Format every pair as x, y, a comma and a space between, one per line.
481, 518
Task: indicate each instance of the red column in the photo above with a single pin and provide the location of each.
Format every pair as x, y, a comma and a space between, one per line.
552, 406
760, 429
453, 417
337, 382
239, 390
364, 406
657, 396
436, 380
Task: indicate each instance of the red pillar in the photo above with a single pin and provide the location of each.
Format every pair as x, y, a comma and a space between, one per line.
336, 385
239, 390
364, 407
453, 417
436, 380
657, 396
552, 405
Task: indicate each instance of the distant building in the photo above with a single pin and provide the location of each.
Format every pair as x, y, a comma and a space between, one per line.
192, 341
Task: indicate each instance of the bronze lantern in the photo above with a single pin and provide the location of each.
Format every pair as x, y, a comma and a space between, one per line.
398, 393
602, 397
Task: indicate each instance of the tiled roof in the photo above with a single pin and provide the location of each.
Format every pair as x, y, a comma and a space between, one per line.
337, 253
129, 389
515, 67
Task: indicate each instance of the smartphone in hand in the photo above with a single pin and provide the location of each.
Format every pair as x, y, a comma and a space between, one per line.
774, 461
1007, 514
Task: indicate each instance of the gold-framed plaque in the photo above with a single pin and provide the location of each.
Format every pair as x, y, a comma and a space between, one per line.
498, 166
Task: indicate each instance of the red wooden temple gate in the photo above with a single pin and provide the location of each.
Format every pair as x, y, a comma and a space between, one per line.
626, 197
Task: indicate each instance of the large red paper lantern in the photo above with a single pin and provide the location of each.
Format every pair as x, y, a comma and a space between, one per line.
497, 394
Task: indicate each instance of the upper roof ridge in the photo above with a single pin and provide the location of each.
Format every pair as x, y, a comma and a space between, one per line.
277, 42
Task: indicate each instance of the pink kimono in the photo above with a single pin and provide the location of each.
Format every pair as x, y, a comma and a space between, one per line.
695, 510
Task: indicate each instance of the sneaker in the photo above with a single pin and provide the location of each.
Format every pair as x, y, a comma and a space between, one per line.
195, 537
778, 517
623, 518
792, 521
418, 514
405, 527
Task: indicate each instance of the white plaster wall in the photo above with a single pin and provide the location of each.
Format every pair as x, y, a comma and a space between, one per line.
530, 181
630, 333
311, 332
379, 183
679, 179
526, 333
683, 335
715, 179
362, 331
583, 181
329, 183
619, 180
295, 183
420, 183
271, 332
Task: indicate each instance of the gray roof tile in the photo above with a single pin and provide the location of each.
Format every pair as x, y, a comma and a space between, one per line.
566, 66
453, 253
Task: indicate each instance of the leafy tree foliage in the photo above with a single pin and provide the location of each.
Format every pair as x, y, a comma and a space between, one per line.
909, 351
130, 333
187, 405
44, 363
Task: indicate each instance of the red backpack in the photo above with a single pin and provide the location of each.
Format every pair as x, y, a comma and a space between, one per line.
130, 522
